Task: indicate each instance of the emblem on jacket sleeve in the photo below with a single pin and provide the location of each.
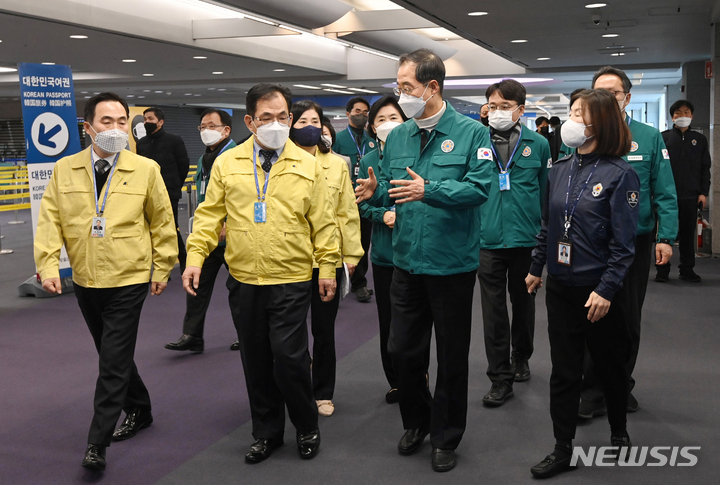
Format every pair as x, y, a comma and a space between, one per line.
597, 189
526, 153
694, 142
371, 144
632, 198
633, 146
484, 154
447, 146
549, 163
666, 155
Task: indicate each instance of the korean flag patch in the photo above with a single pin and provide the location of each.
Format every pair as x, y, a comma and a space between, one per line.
666, 156
484, 154
633, 197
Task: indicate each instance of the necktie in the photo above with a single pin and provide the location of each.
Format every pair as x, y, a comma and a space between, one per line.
101, 174
101, 165
423, 139
267, 155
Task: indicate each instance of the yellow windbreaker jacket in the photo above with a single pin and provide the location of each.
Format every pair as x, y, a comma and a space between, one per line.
140, 233
300, 222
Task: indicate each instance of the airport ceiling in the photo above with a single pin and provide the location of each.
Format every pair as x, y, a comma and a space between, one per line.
197, 52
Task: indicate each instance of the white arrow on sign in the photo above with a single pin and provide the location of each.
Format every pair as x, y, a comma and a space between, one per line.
50, 134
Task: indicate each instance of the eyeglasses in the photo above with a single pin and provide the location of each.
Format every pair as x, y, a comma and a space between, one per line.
503, 107
269, 119
210, 127
615, 93
407, 90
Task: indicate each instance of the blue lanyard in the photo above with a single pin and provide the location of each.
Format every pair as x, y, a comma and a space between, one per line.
568, 218
100, 210
203, 175
261, 198
362, 154
497, 159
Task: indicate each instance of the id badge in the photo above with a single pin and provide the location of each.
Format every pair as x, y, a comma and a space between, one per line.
202, 187
504, 181
564, 252
98, 227
260, 212
357, 170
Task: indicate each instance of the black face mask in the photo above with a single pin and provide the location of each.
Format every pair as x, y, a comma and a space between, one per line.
544, 131
359, 121
150, 128
485, 121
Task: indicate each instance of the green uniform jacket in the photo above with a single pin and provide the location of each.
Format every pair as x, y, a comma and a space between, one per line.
650, 159
199, 188
440, 234
512, 218
345, 145
382, 252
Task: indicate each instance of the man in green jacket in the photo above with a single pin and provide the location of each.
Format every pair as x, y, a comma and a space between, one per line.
441, 166
509, 222
215, 128
355, 143
650, 159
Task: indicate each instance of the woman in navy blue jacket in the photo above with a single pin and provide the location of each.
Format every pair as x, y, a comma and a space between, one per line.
587, 241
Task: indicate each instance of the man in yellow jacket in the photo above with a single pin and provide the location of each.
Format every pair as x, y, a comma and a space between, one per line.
111, 210
279, 220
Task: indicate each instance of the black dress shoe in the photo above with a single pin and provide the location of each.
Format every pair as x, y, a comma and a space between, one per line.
135, 420
690, 276
94, 458
235, 345
412, 440
308, 443
499, 393
662, 277
443, 460
590, 409
623, 445
363, 295
262, 449
392, 396
551, 466
521, 370
187, 342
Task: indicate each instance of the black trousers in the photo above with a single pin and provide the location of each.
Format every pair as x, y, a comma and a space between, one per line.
608, 342
112, 316
418, 301
382, 276
272, 329
500, 269
197, 306
687, 224
358, 279
322, 324
182, 254
633, 290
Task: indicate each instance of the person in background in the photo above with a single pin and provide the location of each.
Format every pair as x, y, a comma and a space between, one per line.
385, 115
509, 222
114, 266
542, 125
215, 129
274, 200
306, 132
554, 139
690, 162
355, 143
169, 151
587, 241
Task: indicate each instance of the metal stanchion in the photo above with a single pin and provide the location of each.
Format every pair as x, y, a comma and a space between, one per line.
17, 221
4, 251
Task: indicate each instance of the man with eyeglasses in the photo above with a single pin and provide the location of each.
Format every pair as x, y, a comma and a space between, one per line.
275, 203
215, 128
650, 159
440, 164
509, 222
355, 143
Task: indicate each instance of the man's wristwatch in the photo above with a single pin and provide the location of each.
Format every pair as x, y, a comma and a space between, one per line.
665, 241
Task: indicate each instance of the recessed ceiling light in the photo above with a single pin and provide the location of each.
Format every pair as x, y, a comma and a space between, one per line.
211, 89
519, 41
83, 92
543, 58
477, 14
129, 60
595, 5
130, 96
198, 95
279, 70
610, 35
158, 91
338, 91
334, 86
199, 57
48, 63
188, 94
146, 90
362, 90
87, 97
222, 89
0, 40
78, 36
141, 96
305, 86
218, 72
615, 54
148, 75
97, 93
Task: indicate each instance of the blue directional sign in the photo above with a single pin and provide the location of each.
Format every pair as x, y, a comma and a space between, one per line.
49, 112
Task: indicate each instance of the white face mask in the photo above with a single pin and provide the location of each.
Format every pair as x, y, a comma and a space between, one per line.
111, 141
412, 106
502, 120
622, 104
682, 121
384, 130
273, 136
327, 140
210, 137
573, 134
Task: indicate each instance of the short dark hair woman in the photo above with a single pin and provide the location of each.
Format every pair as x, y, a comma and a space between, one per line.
587, 241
